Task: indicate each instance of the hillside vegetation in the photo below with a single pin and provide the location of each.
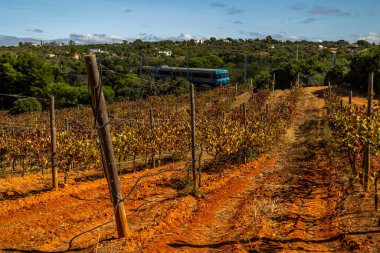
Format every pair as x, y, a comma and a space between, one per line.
59, 70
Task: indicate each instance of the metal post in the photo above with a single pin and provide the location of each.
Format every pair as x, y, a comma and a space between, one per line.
110, 170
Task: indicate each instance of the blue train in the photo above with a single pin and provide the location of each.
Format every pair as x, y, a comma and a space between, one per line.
211, 77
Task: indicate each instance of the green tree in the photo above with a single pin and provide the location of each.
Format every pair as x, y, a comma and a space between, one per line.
263, 80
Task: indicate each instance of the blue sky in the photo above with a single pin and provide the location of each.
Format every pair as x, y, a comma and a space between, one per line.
91, 21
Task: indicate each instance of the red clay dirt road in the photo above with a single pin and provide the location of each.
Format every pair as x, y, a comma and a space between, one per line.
292, 199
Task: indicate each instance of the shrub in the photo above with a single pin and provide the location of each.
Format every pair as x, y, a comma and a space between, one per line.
25, 105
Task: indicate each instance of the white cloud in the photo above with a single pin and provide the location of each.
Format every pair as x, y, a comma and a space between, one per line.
279, 36
308, 21
97, 38
181, 37
234, 10
328, 11
298, 7
13, 41
217, 5
238, 22
372, 37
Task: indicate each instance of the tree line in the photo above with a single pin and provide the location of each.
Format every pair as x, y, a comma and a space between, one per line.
59, 70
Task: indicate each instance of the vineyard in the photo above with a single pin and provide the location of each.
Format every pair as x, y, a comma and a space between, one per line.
146, 133
356, 131
276, 170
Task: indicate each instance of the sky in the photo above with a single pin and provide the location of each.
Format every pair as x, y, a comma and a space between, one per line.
108, 21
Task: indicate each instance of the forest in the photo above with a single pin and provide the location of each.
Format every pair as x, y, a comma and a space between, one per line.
47, 69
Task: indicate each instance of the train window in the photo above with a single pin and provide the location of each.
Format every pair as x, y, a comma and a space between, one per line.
224, 75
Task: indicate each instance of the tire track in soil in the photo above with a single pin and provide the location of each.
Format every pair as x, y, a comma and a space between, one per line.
288, 205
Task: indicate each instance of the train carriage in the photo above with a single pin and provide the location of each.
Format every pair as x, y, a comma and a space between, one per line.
212, 77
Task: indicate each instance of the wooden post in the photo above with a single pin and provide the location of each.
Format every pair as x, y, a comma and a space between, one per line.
151, 127
101, 117
250, 85
266, 109
376, 196
274, 81
350, 98
245, 129
245, 69
192, 123
367, 152
341, 103
67, 125
298, 79
244, 113
236, 89
54, 170
329, 88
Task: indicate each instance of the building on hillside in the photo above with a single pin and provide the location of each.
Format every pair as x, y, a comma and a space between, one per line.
76, 56
165, 52
95, 50
352, 47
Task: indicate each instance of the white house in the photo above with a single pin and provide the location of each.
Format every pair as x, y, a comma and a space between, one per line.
165, 52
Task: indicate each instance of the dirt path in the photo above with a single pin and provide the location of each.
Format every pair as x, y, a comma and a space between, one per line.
289, 205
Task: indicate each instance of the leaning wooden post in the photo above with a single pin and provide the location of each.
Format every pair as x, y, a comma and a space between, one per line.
53, 146
108, 157
192, 123
367, 152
